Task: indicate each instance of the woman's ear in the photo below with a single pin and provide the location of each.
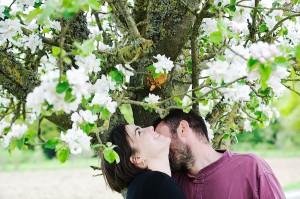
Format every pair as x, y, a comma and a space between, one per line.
137, 161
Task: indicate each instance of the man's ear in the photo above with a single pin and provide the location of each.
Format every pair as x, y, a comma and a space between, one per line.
183, 129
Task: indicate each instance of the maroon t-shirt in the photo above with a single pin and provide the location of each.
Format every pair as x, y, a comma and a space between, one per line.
233, 176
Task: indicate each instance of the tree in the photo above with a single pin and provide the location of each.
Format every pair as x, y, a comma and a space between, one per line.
86, 65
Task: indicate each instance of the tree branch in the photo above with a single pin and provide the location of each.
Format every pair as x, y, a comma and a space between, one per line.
277, 26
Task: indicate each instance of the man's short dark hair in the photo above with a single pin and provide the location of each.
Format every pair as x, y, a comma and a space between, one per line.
175, 116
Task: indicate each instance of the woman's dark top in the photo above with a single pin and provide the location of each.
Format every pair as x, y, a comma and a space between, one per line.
154, 185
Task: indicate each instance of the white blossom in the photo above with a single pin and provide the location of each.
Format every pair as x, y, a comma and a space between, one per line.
264, 52
76, 140
163, 64
221, 70
4, 101
247, 125
8, 29
223, 2
48, 63
210, 132
104, 84
90, 63
83, 115
271, 22
238, 93
52, 24
152, 99
23, 3
103, 99
266, 110
209, 26
17, 131
35, 99
2, 8
3, 125
111, 106
274, 80
126, 70
32, 42
78, 81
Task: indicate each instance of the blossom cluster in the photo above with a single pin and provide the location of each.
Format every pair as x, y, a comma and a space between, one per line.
264, 52
76, 140
83, 116
152, 99
163, 64
17, 131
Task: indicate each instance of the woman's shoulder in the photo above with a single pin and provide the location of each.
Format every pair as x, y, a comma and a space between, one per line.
153, 184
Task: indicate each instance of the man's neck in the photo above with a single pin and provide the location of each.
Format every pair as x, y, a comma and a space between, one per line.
204, 155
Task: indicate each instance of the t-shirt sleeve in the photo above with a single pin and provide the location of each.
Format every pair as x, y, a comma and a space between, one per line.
269, 187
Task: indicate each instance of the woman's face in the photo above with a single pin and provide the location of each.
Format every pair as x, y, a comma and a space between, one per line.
146, 141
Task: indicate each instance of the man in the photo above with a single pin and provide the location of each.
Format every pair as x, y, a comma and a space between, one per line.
202, 172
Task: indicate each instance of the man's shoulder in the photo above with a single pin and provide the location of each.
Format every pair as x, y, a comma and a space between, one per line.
254, 160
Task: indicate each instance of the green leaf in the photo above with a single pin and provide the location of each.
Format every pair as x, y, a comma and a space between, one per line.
111, 156
37, 4
62, 87
69, 15
178, 101
253, 63
105, 114
297, 53
6, 12
116, 76
67, 60
96, 109
265, 72
263, 28
86, 47
63, 154
55, 51
51, 144
69, 97
282, 61
215, 37
94, 4
150, 68
33, 14
46, 12
20, 143
126, 111
226, 135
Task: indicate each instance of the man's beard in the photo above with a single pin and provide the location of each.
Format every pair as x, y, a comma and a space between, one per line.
181, 157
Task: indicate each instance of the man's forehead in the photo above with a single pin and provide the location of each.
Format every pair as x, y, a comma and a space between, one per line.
162, 126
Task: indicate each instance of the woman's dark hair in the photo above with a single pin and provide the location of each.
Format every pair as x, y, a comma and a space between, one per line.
119, 175
175, 116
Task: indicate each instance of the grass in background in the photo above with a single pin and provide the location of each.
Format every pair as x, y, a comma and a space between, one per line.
36, 160
291, 187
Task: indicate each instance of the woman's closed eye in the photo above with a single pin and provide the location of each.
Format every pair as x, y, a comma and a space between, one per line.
138, 131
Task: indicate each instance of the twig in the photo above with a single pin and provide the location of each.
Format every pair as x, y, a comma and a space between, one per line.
290, 88
193, 11
277, 26
263, 8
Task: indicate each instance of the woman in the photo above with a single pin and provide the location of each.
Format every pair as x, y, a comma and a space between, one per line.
144, 165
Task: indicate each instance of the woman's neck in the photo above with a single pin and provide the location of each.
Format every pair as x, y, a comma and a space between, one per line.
161, 165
